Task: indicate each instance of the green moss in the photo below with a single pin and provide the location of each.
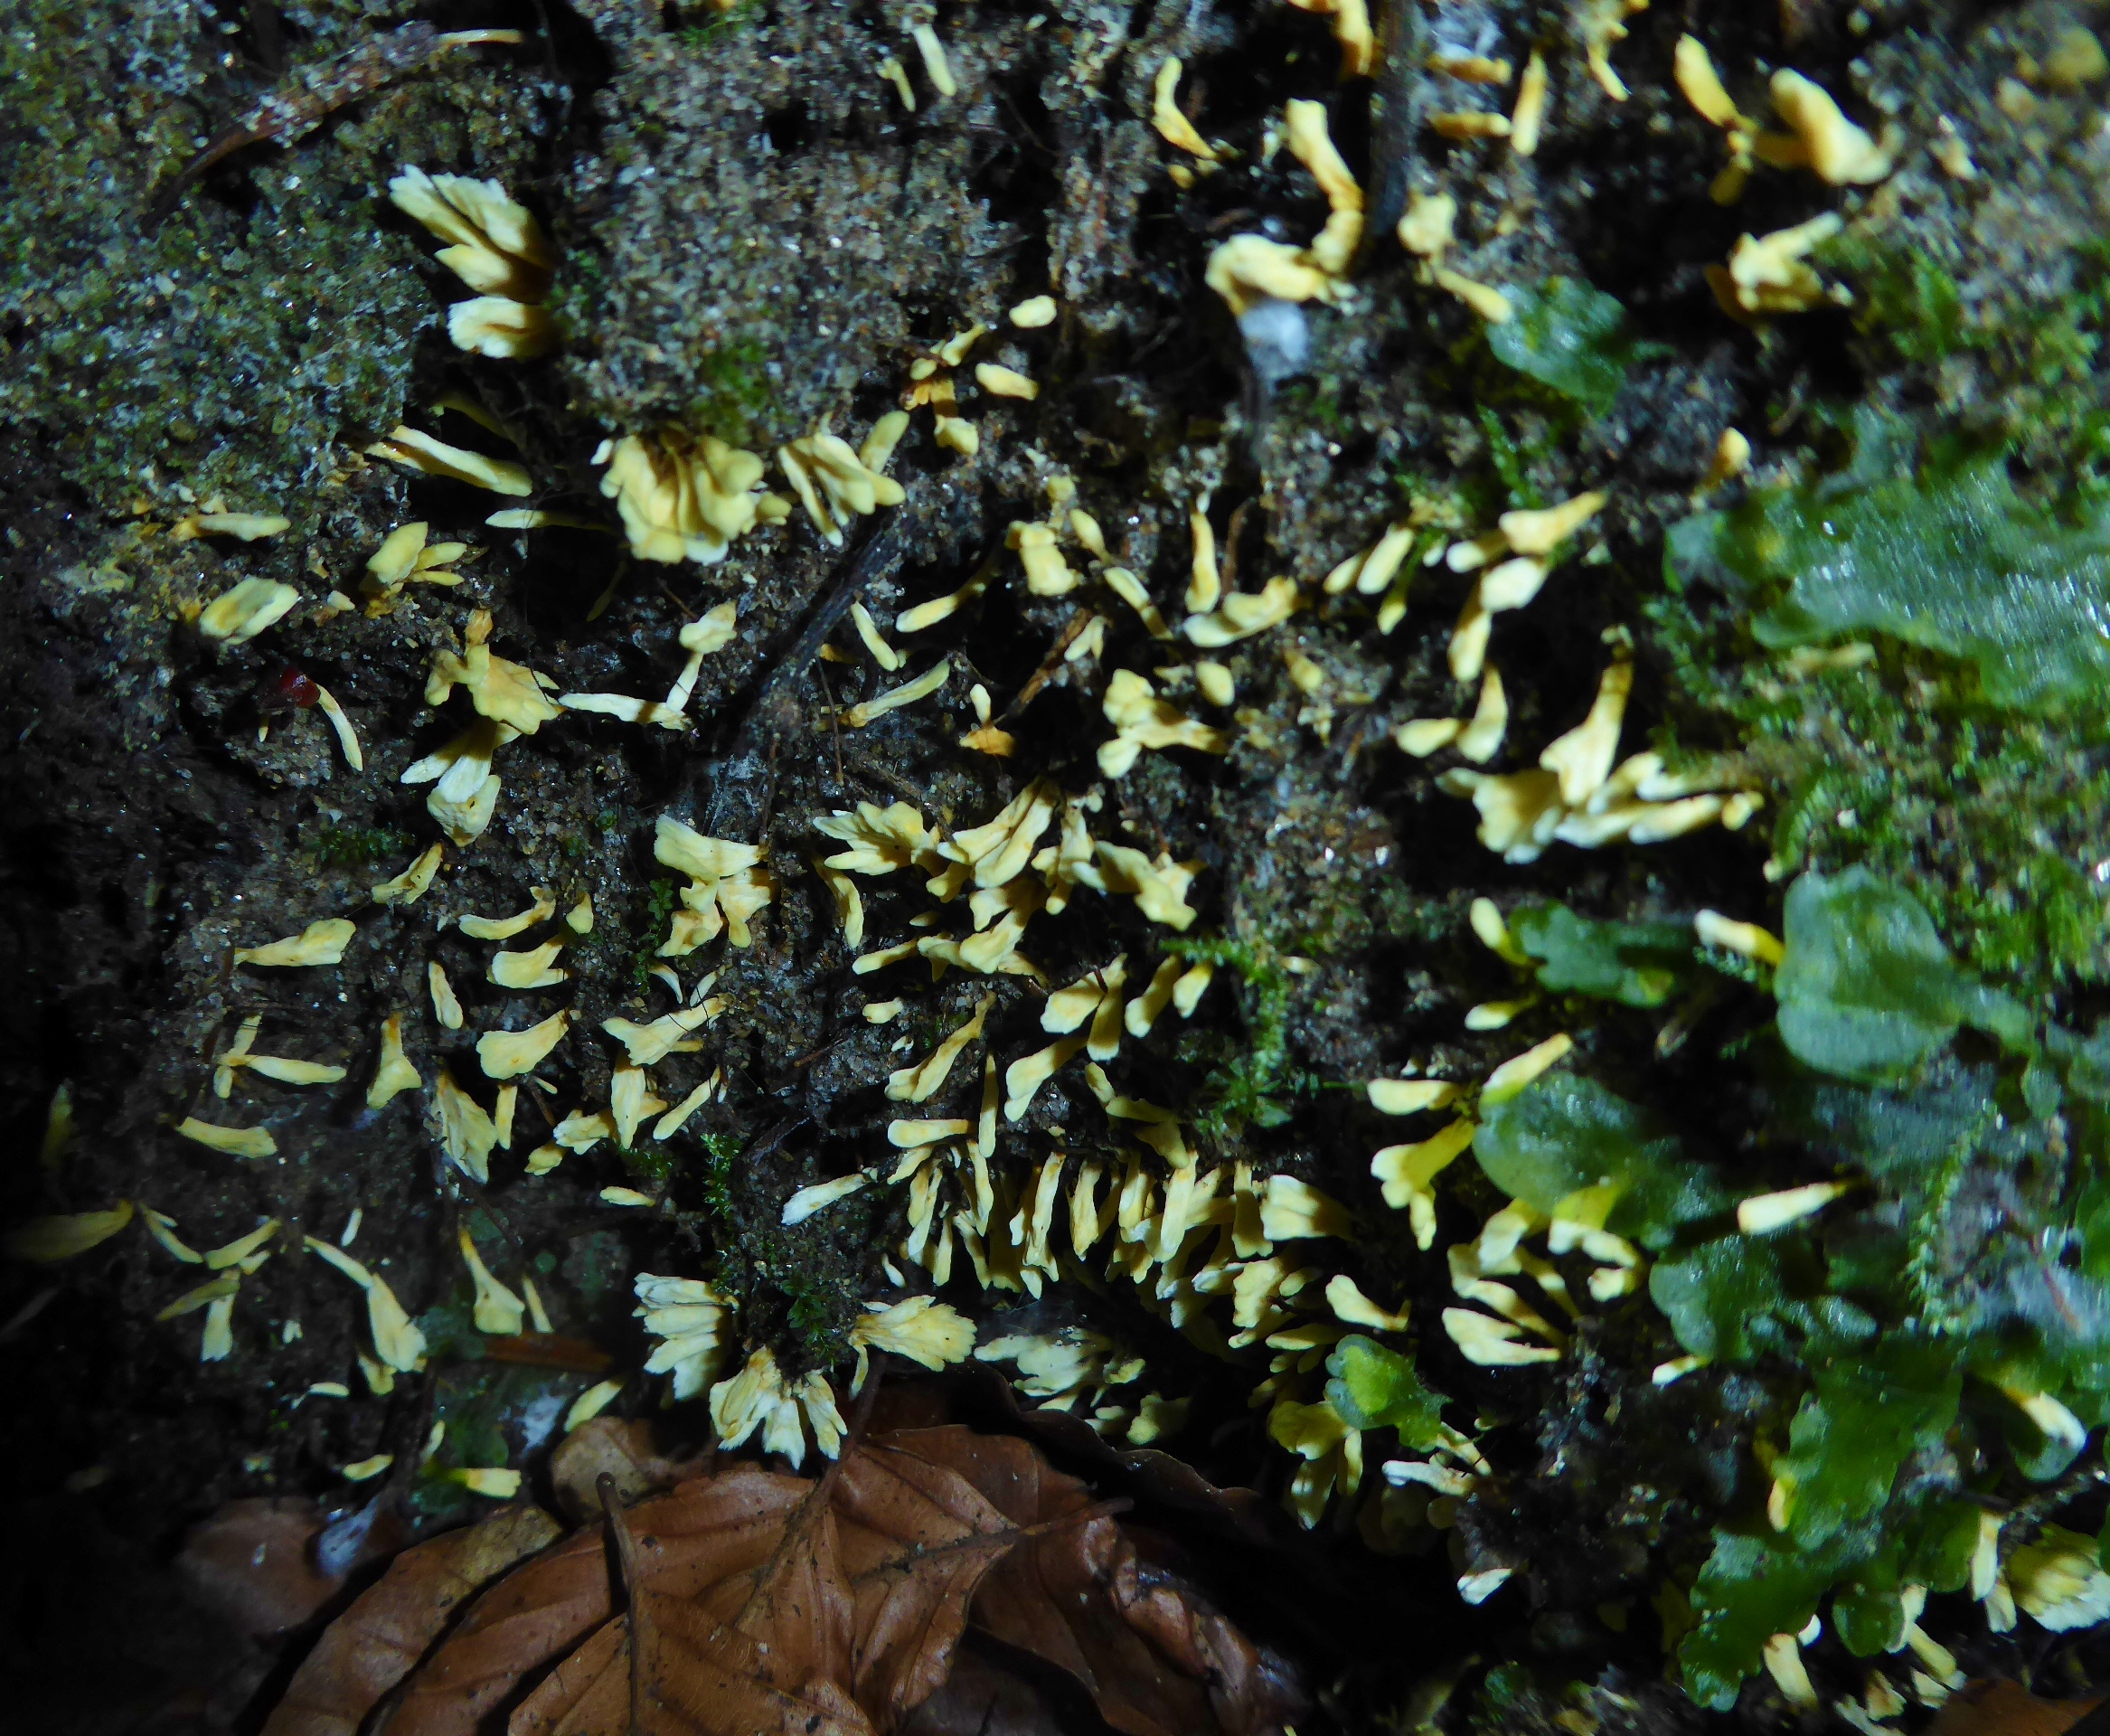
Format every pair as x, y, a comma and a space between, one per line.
1249, 1084
736, 401
654, 927
238, 349
361, 847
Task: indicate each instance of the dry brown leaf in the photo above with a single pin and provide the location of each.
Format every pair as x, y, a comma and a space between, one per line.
1158, 1661
767, 1605
763, 1651
916, 1539
378, 1641
627, 1451
252, 1561
1994, 1707
690, 1540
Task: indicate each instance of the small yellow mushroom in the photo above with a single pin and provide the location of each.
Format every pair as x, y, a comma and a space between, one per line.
395, 1074
46, 1241
1247, 270
682, 496
446, 1007
1582, 759
1768, 276
496, 246
414, 450
834, 484
1529, 117
500, 327
1747, 939
936, 67
504, 927
857, 717
1541, 532
411, 884
236, 617
1004, 382
498, 1310
320, 943
1171, 124
808, 1202
535, 968
1474, 68
1426, 227
1469, 124
396, 1339
1507, 1079
467, 1133
1484, 299
896, 75
1732, 457
507, 1054
1765, 1212
247, 527
647, 1044
1832, 147
1033, 312
1242, 614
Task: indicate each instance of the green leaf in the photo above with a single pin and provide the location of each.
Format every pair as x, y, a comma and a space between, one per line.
1719, 1297
1867, 1610
1950, 560
1940, 1558
1635, 963
1376, 1388
1563, 1133
1570, 336
1871, 1409
1750, 1589
1867, 989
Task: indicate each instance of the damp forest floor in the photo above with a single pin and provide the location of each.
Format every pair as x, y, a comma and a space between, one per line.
752, 234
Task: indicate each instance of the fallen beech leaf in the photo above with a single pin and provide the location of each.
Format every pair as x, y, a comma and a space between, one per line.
986, 1696
765, 1605
627, 1451
1158, 1661
761, 1650
693, 1539
251, 1562
1996, 1707
378, 1641
916, 1539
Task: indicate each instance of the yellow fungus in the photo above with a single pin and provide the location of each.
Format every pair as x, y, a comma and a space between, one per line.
504, 927
495, 244
467, 1133
236, 1142
46, 1241
535, 968
1004, 382
1249, 269
1171, 124
507, 1054
1529, 117
1470, 123
417, 451
446, 1007
1835, 150
1034, 312
857, 717
810, 1201
237, 616
1424, 228
682, 496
